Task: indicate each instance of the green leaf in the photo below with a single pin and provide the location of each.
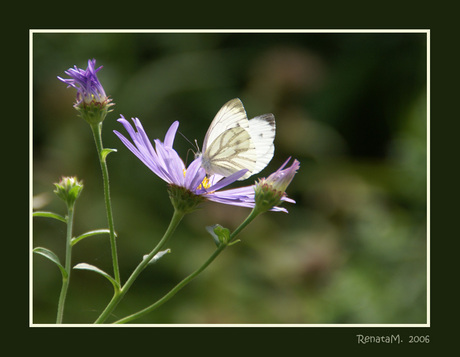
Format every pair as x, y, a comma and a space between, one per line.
105, 152
220, 234
86, 266
53, 257
74, 241
157, 256
234, 242
50, 215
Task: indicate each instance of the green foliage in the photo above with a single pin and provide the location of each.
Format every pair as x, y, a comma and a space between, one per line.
105, 152
86, 266
50, 215
88, 234
53, 257
219, 234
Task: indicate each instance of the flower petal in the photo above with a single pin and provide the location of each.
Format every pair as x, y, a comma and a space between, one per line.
171, 134
194, 175
143, 136
227, 180
149, 163
171, 163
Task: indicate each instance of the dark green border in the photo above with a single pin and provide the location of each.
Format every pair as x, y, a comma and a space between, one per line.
241, 341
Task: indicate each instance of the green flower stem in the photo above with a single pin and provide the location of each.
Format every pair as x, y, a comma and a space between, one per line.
174, 291
254, 213
175, 220
97, 133
68, 267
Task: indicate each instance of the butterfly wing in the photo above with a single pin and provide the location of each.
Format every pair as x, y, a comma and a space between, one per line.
262, 131
233, 142
231, 115
231, 151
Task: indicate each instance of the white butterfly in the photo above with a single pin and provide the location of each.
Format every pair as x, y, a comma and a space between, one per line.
233, 143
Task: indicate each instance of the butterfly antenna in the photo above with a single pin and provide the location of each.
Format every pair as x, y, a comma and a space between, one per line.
190, 149
186, 139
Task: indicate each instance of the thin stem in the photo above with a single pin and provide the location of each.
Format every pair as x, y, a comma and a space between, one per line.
175, 220
174, 290
97, 133
68, 267
254, 213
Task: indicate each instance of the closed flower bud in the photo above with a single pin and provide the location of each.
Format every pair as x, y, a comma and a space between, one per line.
68, 190
270, 191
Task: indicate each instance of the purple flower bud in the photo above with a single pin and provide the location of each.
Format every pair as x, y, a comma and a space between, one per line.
91, 101
270, 191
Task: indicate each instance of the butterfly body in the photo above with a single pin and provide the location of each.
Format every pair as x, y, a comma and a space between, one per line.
233, 143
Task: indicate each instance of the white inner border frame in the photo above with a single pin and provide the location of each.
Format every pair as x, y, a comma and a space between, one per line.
58, 31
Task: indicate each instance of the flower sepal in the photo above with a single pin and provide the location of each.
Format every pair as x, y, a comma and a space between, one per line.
184, 200
95, 112
266, 197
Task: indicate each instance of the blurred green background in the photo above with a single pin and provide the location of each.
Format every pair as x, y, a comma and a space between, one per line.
350, 107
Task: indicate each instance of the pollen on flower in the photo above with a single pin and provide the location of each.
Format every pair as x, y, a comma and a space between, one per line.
204, 184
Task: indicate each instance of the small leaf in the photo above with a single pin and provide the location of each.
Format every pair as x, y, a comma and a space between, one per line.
53, 257
234, 242
157, 256
105, 152
74, 241
210, 229
86, 266
220, 234
50, 215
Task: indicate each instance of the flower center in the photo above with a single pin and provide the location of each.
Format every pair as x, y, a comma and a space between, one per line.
204, 184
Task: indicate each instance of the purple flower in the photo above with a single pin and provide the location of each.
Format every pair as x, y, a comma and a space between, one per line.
91, 101
281, 178
267, 192
165, 162
270, 191
88, 87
